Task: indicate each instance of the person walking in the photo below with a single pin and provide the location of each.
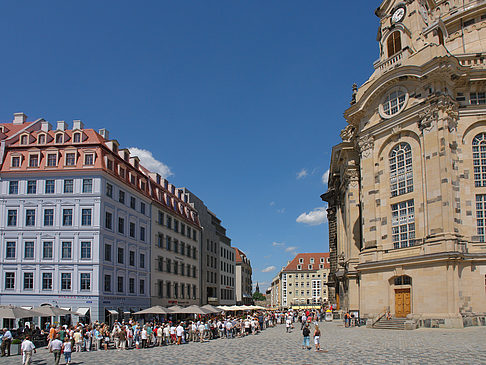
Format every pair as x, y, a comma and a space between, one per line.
6, 342
55, 347
306, 334
67, 349
26, 350
317, 338
288, 324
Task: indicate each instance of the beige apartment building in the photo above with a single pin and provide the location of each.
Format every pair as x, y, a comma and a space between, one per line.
176, 232
275, 292
243, 273
304, 281
407, 185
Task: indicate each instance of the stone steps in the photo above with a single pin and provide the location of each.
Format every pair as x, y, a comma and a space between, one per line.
390, 324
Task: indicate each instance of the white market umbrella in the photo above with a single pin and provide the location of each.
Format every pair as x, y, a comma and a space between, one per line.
156, 309
12, 312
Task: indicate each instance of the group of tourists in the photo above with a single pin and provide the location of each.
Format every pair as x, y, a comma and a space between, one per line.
132, 334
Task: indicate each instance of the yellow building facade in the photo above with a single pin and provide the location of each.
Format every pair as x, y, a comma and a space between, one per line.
407, 185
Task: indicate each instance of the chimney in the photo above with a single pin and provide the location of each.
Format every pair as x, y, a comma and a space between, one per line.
77, 124
61, 125
45, 126
19, 118
104, 133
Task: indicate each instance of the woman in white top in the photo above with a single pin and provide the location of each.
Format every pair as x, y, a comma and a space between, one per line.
67, 349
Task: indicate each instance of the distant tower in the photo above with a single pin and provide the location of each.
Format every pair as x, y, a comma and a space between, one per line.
257, 289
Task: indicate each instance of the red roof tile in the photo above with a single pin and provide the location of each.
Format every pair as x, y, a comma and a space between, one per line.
304, 260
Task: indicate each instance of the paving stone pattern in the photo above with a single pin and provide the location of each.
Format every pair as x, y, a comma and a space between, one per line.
275, 346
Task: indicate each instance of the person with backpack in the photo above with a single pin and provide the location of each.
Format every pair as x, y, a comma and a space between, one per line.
306, 333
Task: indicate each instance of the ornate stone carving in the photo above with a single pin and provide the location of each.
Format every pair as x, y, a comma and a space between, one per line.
428, 117
353, 96
348, 133
365, 145
450, 113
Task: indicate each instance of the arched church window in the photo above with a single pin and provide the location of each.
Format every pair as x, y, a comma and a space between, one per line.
401, 169
394, 43
479, 159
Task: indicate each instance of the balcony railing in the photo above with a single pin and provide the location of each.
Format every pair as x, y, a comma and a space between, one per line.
393, 61
475, 60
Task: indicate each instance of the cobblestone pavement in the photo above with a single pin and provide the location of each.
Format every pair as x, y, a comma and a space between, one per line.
274, 346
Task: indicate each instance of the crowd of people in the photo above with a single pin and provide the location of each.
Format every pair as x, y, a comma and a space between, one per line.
132, 334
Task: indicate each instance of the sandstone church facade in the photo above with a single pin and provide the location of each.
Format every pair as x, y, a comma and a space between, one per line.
407, 185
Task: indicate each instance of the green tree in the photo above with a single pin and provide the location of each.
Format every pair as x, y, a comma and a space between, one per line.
258, 296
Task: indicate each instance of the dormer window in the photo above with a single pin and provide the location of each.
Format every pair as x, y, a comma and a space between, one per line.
136, 164
310, 267
59, 138
34, 160
15, 161
52, 159
122, 172
77, 137
301, 261
70, 159
24, 139
142, 185
312, 260
299, 267
89, 159
41, 139
125, 156
322, 260
394, 43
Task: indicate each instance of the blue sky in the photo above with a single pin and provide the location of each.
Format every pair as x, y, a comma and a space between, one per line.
241, 101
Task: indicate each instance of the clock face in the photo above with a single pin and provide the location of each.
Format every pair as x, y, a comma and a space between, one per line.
398, 15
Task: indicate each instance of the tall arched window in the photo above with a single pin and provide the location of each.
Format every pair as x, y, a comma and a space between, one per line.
479, 159
401, 175
394, 43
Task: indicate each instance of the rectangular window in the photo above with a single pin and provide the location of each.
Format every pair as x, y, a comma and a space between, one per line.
142, 208
169, 222
31, 187
108, 220
121, 255
87, 185
50, 184
176, 225
132, 229
121, 225
70, 159
68, 186
107, 283
11, 218
142, 261
85, 282
109, 190
167, 290
30, 217
168, 267
194, 235
109, 164
142, 234
67, 217
120, 284
13, 187
481, 216
133, 202
28, 280
34, 161
167, 243
66, 250
142, 286
10, 280
89, 159
176, 268
176, 246
29, 250
65, 281
403, 224
132, 258
10, 250
183, 229
160, 265
51, 159
86, 217
85, 250
16, 161
47, 281
121, 197
48, 217
131, 285
478, 98
160, 219
107, 252
47, 250
160, 289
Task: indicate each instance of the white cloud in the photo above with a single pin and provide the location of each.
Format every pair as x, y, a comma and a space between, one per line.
302, 173
272, 204
148, 161
269, 269
291, 248
314, 217
325, 177
278, 244
281, 210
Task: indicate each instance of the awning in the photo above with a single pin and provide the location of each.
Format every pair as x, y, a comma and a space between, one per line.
82, 311
112, 311
66, 308
28, 308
